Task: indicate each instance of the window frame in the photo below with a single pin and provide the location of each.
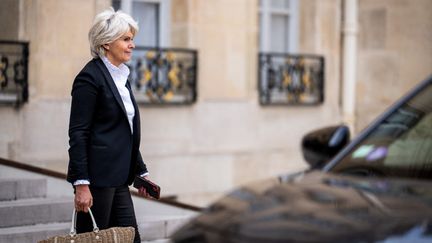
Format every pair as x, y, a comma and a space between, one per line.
266, 10
164, 20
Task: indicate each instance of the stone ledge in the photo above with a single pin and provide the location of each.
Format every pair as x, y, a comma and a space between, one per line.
34, 211
14, 189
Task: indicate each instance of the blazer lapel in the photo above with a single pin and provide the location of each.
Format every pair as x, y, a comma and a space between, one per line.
136, 119
111, 84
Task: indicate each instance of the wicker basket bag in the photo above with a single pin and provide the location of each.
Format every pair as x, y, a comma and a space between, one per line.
110, 235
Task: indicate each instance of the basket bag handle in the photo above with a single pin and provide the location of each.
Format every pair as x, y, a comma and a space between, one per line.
73, 226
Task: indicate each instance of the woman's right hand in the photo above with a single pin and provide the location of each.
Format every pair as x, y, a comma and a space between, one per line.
83, 198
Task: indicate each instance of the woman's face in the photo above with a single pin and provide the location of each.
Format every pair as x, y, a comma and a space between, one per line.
120, 51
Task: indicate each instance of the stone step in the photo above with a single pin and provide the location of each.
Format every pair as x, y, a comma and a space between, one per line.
35, 211
157, 241
33, 233
15, 189
160, 228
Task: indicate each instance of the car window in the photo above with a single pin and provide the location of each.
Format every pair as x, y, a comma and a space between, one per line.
399, 146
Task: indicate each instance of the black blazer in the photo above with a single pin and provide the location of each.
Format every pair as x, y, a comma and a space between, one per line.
102, 148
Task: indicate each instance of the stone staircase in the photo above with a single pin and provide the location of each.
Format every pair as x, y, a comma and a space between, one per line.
28, 215
38, 207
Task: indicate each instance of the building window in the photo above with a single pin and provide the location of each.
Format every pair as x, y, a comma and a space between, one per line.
153, 17
278, 25
159, 75
286, 78
14, 72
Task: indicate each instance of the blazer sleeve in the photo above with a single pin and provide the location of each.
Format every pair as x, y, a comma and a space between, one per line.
84, 98
141, 166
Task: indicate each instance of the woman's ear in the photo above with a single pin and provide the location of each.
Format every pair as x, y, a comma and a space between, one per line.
106, 47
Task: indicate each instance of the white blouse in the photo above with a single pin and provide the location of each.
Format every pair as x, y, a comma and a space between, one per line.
120, 75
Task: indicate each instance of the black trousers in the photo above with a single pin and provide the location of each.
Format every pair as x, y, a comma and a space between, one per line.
112, 207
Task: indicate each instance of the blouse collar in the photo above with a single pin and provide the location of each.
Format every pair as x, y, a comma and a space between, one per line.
121, 71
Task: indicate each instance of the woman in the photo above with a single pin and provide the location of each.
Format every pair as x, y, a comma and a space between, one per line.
104, 129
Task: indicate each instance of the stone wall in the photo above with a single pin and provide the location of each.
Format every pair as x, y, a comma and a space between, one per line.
395, 52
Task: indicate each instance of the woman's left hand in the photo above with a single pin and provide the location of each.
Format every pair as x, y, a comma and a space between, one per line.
142, 191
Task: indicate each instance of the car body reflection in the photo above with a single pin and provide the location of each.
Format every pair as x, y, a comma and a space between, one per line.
376, 188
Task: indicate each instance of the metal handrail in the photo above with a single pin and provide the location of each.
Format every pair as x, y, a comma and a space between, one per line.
169, 200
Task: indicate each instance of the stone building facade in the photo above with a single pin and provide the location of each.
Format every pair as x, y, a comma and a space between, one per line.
226, 138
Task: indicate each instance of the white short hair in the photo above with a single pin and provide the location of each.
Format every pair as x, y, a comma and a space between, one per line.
107, 27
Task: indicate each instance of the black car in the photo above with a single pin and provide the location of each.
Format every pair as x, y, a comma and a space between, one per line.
376, 188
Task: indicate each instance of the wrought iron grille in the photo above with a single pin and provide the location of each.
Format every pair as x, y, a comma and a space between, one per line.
164, 76
286, 79
14, 72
